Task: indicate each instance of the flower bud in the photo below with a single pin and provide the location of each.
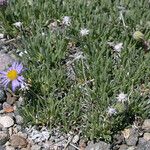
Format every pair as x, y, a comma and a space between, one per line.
139, 36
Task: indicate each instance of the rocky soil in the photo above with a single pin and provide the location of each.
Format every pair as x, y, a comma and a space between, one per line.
14, 136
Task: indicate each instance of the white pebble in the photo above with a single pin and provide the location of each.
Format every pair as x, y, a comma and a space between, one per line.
6, 121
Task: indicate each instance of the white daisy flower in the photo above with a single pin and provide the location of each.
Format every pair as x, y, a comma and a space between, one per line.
118, 47
84, 31
66, 20
111, 111
17, 24
122, 97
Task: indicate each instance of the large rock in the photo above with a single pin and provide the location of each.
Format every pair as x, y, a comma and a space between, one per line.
18, 141
6, 121
131, 136
143, 146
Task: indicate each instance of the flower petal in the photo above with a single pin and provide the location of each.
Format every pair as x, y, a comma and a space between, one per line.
3, 72
19, 68
21, 79
15, 84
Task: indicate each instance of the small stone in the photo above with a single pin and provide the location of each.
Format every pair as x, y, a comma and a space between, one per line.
132, 138
75, 139
3, 137
18, 141
123, 147
146, 136
98, 146
146, 125
19, 119
6, 121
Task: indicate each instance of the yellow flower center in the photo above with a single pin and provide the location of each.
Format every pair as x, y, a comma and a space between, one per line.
12, 75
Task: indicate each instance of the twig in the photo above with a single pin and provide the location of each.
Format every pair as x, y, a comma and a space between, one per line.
68, 142
7, 42
71, 145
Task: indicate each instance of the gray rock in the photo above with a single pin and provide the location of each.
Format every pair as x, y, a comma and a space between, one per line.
146, 136
118, 139
3, 137
2, 147
141, 141
143, 146
19, 119
146, 125
18, 141
98, 146
123, 147
5, 60
133, 137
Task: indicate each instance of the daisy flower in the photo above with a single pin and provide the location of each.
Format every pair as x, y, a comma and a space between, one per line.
118, 47
111, 111
66, 20
13, 76
122, 97
84, 31
17, 24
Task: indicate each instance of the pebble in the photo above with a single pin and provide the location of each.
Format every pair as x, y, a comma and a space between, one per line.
3, 137
18, 141
19, 119
146, 125
146, 136
123, 147
6, 121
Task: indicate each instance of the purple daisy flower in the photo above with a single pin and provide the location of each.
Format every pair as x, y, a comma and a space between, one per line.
13, 75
